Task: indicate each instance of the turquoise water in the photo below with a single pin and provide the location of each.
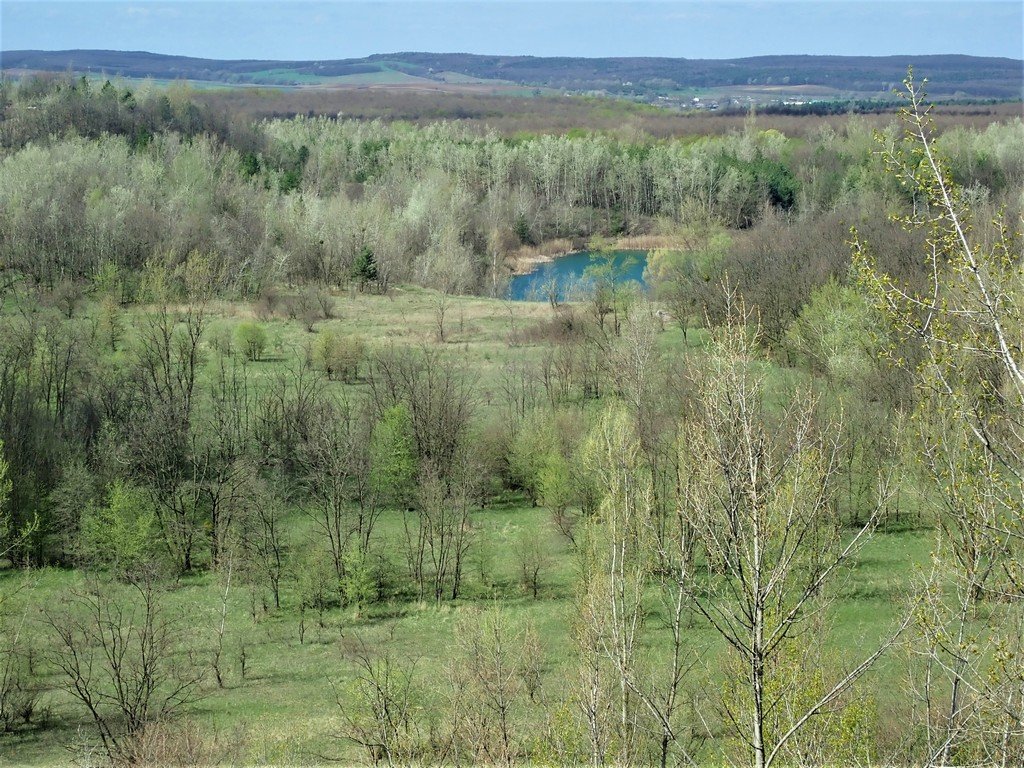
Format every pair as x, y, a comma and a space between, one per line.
568, 273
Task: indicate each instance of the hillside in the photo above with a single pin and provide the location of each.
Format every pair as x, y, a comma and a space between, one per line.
291, 474
950, 76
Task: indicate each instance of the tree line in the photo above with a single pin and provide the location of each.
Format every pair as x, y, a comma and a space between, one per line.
103, 177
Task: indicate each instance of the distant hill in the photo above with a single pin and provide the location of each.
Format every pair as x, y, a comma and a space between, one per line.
950, 76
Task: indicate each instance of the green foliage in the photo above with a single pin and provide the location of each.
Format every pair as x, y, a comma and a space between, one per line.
21, 685
252, 339
687, 279
103, 397
110, 323
534, 557
382, 705
522, 229
120, 536
777, 180
611, 294
250, 164
564, 740
6, 518
965, 316
529, 453
292, 162
393, 456
75, 492
841, 735
108, 281
124, 186
837, 334
364, 268
496, 666
317, 583
359, 579
555, 483
338, 356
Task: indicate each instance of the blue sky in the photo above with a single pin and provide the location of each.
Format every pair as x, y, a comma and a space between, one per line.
341, 29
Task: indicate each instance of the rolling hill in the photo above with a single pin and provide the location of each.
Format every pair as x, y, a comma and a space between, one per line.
950, 76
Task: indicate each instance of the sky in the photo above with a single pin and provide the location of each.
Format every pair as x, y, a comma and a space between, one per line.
302, 30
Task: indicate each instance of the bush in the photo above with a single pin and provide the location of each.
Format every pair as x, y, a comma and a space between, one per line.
222, 340
529, 453
338, 356
21, 685
122, 535
252, 340
359, 582
267, 304
534, 558
309, 308
185, 743
325, 302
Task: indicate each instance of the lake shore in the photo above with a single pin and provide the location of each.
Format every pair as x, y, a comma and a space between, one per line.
568, 277
528, 257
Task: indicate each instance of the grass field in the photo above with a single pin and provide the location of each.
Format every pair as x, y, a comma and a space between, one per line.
285, 709
286, 705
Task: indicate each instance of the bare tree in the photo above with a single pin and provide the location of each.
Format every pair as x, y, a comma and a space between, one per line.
123, 655
441, 305
220, 630
759, 492
168, 358
495, 668
261, 542
223, 446
329, 470
442, 531
438, 392
434, 394
381, 706
518, 384
533, 558
287, 410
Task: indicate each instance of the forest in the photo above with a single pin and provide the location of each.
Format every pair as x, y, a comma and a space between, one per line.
286, 479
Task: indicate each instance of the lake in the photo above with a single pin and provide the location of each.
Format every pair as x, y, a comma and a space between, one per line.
567, 272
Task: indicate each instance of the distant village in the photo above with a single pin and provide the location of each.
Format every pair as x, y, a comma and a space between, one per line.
686, 103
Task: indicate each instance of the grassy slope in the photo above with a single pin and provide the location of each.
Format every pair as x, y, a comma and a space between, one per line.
286, 705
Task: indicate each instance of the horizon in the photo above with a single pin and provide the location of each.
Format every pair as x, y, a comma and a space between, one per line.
313, 31
502, 55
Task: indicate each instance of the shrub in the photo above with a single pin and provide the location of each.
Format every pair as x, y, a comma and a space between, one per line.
339, 356
267, 304
325, 302
529, 453
222, 340
359, 581
120, 536
308, 307
252, 340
